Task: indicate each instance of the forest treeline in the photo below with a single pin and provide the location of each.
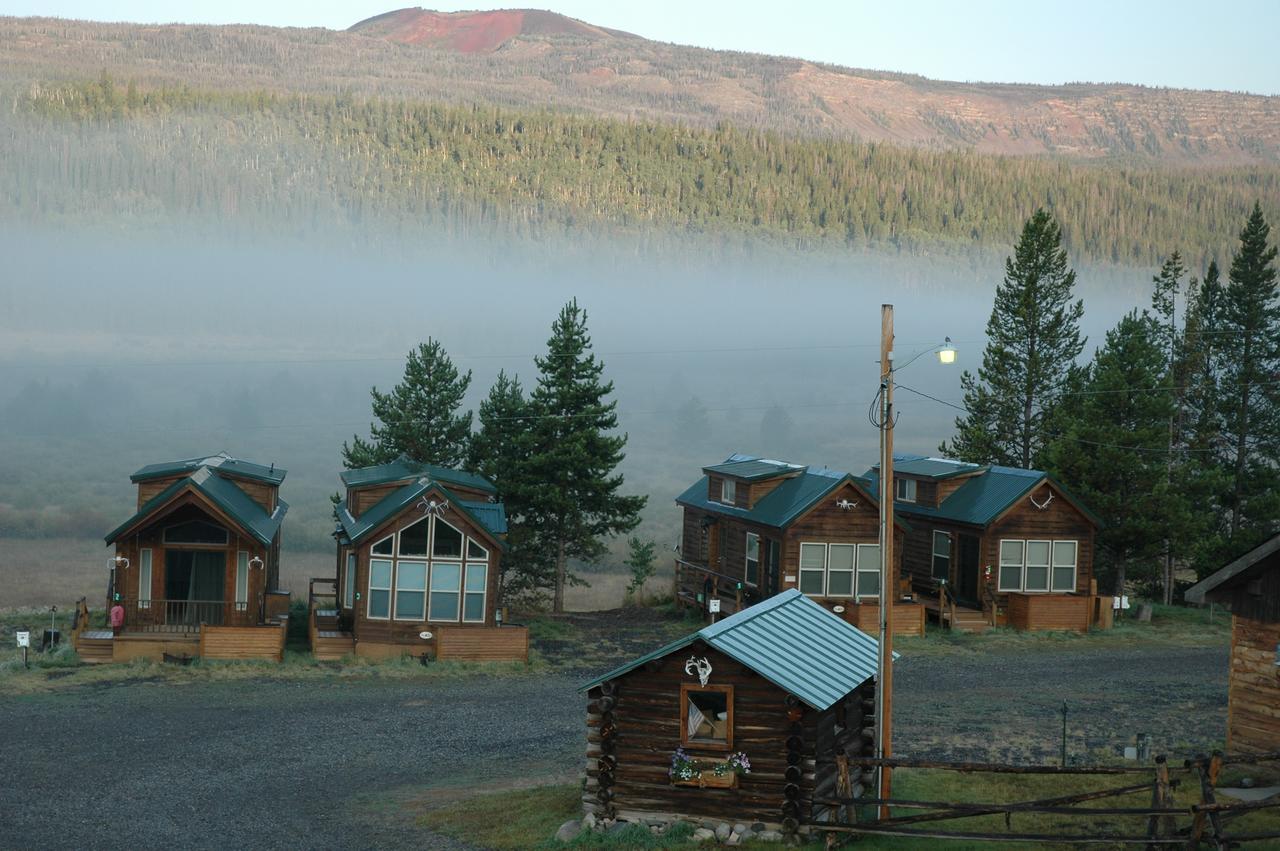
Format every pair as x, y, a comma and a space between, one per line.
97, 151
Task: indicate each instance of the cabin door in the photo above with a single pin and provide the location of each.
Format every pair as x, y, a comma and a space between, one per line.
966, 587
194, 586
773, 559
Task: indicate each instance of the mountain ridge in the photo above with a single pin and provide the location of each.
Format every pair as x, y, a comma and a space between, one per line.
476, 32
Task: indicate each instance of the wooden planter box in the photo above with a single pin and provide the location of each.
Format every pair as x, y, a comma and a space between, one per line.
710, 780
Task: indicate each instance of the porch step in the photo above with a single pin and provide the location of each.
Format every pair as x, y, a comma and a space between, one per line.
968, 621
95, 648
331, 645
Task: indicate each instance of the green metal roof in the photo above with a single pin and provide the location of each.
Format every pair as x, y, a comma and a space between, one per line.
403, 469
784, 504
983, 497
224, 494
932, 468
789, 640
751, 469
222, 462
490, 517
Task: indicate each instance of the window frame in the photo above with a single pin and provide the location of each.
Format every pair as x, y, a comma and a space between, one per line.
858, 570
242, 581
852, 571
483, 593
685, 690
801, 570
933, 563
747, 560
1075, 565
912, 486
349, 582
1023, 566
728, 491
432, 591
144, 578
370, 588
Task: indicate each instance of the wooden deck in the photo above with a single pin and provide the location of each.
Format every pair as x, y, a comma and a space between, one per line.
965, 619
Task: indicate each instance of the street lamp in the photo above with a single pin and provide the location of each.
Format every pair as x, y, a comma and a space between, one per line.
888, 579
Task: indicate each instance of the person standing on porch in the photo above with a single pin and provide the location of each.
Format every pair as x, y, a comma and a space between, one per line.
116, 618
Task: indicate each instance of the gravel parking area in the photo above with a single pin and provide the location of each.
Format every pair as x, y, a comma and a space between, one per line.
321, 763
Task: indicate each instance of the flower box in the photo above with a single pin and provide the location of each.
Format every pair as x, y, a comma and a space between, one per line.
710, 780
687, 770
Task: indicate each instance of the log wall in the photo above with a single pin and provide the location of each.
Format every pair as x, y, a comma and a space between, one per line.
1253, 691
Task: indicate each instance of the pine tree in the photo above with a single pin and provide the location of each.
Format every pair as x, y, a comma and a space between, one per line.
419, 418
574, 454
1112, 445
1250, 396
1033, 340
1164, 303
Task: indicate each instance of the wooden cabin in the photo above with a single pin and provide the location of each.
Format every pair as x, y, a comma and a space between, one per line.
995, 545
1250, 588
754, 527
783, 686
419, 548
197, 566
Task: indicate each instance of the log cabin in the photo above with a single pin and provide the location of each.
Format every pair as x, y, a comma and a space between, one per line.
418, 554
783, 687
1250, 588
754, 527
197, 566
993, 545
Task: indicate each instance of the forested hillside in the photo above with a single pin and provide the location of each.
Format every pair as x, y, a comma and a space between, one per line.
667, 83
124, 155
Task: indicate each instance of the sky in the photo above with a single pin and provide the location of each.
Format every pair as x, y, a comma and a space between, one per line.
1176, 43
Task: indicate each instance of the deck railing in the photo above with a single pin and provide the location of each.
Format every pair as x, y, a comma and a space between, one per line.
157, 615
695, 584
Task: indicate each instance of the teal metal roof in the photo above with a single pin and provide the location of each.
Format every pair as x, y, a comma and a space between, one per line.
789, 640
403, 469
222, 462
491, 517
932, 468
749, 469
782, 505
224, 494
983, 497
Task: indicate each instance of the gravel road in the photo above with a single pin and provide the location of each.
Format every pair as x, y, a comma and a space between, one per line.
279, 763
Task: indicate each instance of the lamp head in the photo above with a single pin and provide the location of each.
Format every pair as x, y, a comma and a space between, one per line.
947, 354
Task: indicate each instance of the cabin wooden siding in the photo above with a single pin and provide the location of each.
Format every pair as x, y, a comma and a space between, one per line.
741, 493
360, 500
492, 644
1065, 612
262, 643
908, 618
646, 715
917, 550
1060, 521
404, 634
1253, 690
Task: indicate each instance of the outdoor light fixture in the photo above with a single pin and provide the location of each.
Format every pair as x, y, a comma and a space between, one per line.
120, 562
256, 562
947, 354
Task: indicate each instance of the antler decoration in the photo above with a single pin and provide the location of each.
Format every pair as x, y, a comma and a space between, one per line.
432, 506
846, 505
1041, 505
701, 666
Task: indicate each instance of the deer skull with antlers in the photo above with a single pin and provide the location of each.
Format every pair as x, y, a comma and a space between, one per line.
701, 666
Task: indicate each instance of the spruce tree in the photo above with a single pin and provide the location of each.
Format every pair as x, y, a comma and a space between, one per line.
1033, 339
419, 418
1249, 397
571, 466
1111, 448
1164, 303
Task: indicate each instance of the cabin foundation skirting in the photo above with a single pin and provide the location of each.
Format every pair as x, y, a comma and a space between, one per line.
908, 618
126, 648
456, 644
260, 643
1067, 612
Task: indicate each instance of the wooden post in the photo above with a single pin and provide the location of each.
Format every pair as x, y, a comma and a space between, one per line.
888, 582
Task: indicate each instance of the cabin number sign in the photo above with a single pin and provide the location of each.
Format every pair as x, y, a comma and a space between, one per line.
699, 666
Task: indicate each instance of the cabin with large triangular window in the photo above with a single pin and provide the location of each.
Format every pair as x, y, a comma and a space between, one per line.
418, 554
994, 545
197, 566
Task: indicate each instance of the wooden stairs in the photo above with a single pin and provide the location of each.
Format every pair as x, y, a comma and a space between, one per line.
95, 647
328, 642
965, 620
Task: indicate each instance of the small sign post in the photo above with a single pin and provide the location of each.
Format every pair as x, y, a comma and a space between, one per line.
713, 606
24, 641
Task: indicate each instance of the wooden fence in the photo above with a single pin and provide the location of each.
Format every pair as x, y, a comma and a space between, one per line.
1206, 820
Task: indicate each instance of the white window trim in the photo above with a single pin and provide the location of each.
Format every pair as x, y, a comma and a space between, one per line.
431, 592
431, 529
349, 589
801, 570
1022, 568
747, 559
909, 485
391, 582
144, 578
242, 581
1048, 566
392, 538
728, 492
462, 551
395, 592
859, 569
859, 548
484, 592
933, 554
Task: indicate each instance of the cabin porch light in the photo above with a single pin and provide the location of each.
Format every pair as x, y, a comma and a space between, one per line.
256, 562
947, 354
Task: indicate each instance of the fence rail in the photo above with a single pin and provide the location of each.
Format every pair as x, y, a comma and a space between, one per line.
158, 615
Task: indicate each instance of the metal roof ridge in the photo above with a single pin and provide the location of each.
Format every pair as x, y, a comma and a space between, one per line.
748, 614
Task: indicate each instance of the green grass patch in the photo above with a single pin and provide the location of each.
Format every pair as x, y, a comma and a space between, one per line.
547, 628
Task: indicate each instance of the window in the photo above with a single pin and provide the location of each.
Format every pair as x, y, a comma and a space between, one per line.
413, 539
706, 716
728, 491
941, 555
144, 579
751, 572
384, 547
349, 597
195, 532
1038, 566
476, 552
379, 589
840, 558
813, 563
448, 541
473, 600
411, 590
1064, 565
904, 489
446, 584
868, 570
242, 581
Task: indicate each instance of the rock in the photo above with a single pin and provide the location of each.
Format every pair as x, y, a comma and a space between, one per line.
769, 836
722, 831
569, 831
702, 834
654, 829
1246, 782
741, 829
589, 822
734, 839
758, 827
617, 827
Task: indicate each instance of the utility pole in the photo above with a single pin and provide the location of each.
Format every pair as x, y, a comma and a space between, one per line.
888, 582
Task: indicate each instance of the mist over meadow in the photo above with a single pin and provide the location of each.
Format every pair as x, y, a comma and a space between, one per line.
118, 350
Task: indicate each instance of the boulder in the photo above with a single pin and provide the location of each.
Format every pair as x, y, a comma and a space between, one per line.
722, 831
569, 831
769, 836
589, 821
741, 829
702, 834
